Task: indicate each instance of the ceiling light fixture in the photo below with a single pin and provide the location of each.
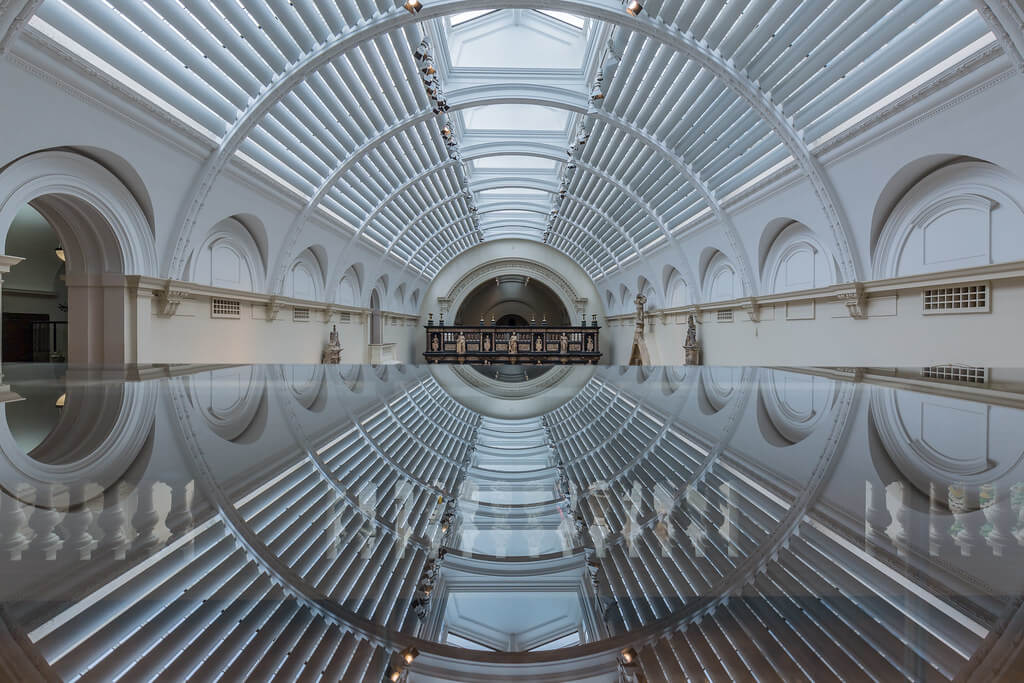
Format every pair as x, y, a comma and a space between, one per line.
628, 655
409, 654
61, 255
633, 7
413, 6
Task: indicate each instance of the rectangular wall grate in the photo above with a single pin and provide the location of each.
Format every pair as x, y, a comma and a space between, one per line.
225, 308
345, 318
959, 299
725, 316
956, 373
300, 315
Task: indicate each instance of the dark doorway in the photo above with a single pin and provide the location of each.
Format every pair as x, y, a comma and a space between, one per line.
512, 321
18, 336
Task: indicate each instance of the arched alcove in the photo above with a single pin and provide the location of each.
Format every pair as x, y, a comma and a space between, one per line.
376, 318
514, 299
229, 257
795, 259
104, 233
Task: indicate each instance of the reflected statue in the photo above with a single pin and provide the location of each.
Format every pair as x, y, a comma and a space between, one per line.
460, 344
332, 352
487, 344
513, 344
563, 343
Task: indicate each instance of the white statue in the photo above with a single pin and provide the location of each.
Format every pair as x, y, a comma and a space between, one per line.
460, 344
513, 344
563, 343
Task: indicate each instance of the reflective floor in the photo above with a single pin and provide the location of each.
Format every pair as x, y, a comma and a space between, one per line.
558, 523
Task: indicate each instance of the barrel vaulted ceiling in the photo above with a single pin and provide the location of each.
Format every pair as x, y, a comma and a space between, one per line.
573, 122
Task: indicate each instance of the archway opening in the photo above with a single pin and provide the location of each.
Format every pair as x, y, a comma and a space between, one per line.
513, 300
376, 319
35, 294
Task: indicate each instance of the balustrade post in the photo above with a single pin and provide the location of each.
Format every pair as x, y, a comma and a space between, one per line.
144, 521
999, 514
45, 542
113, 543
940, 541
876, 519
12, 520
964, 502
79, 543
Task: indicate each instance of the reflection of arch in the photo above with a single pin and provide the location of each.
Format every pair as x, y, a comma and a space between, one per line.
307, 384
792, 405
229, 258
717, 387
938, 440
400, 295
376, 319
102, 431
962, 215
104, 233
231, 399
795, 259
414, 299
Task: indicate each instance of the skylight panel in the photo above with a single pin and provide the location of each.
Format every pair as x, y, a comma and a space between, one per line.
571, 19
516, 117
516, 161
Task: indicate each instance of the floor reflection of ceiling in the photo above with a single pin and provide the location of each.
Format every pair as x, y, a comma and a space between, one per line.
247, 521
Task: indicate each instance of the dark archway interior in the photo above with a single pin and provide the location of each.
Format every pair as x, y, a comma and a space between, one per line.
35, 296
512, 299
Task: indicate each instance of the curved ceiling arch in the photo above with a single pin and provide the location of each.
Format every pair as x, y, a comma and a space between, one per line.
602, 10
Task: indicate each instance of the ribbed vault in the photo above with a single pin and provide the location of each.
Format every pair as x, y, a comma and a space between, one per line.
670, 113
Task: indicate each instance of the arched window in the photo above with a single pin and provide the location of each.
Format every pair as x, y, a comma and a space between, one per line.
797, 261
720, 281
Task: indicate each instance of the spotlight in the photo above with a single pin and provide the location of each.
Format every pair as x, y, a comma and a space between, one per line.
59, 252
628, 655
61, 401
633, 7
394, 675
409, 654
414, 6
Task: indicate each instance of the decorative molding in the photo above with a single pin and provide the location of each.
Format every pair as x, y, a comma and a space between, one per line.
855, 301
169, 299
273, 307
516, 266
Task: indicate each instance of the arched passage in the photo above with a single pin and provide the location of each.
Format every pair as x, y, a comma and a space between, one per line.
376, 319
105, 236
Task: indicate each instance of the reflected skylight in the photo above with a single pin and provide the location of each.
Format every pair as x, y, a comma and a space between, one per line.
463, 17
570, 19
516, 117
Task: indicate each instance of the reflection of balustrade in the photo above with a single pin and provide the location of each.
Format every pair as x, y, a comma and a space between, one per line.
495, 344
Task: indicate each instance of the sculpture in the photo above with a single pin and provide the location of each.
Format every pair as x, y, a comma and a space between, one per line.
460, 344
513, 344
563, 343
487, 343
590, 344
434, 343
691, 348
538, 344
332, 352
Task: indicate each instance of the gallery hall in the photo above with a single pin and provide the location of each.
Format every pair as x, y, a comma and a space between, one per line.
463, 341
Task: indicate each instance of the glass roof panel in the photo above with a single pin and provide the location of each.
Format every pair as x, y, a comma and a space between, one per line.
570, 19
511, 39
463, 17
516, 161
517, 117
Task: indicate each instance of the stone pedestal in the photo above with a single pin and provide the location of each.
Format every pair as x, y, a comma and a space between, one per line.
691, 355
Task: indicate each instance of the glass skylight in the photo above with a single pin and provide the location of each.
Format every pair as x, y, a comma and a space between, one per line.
516, 161
516, 117
463, 17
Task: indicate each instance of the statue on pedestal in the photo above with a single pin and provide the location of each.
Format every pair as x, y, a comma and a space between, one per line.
691, 348
332, 352
513, 344
563, 343
460, 344
538, 344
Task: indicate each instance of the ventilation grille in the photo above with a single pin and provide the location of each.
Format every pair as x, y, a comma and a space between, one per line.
956, 373
725, 316
960, 299
300, 315
225, 308
345, 317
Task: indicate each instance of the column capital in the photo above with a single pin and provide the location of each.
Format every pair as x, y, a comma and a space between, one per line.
8, 262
